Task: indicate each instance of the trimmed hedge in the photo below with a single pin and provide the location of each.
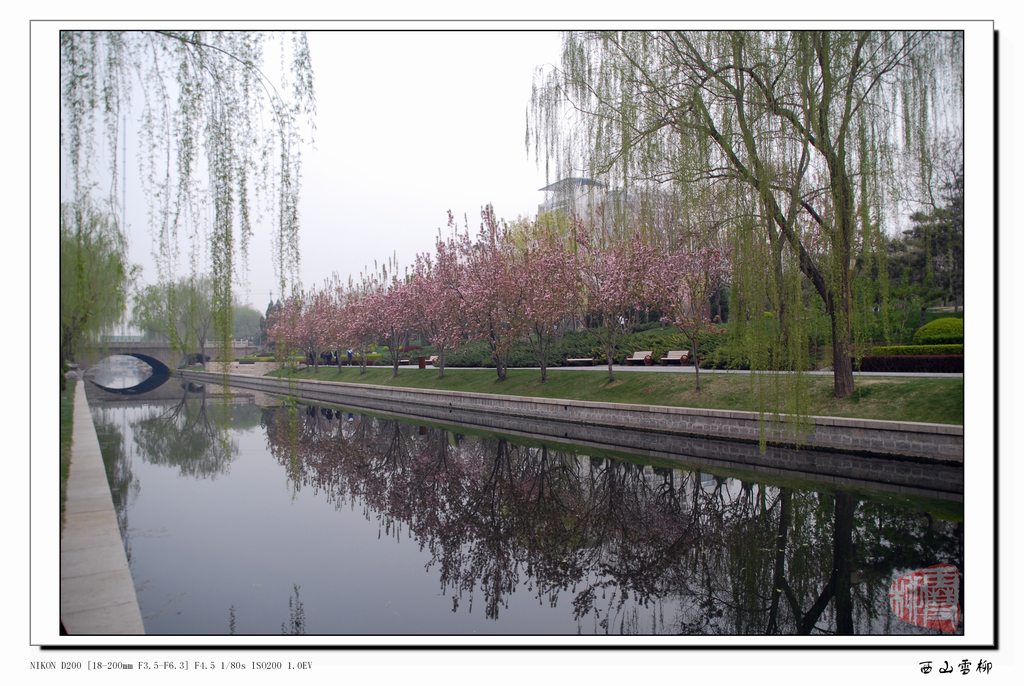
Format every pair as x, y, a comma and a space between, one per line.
942, 364
888, 350
573, 344
940, 331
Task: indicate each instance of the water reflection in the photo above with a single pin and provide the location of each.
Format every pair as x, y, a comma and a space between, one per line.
629, 548
191, 433
119, 371
227, 508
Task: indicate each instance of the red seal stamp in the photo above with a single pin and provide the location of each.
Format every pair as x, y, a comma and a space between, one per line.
928, 598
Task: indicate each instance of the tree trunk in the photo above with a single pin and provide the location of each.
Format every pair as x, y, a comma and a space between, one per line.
499, 359
779, 573
610, 348
842, 562
780, 287
540, 349
696, 366
842, 362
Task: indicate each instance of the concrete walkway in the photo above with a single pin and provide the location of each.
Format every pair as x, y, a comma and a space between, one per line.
262, 368
688, 369
97, 594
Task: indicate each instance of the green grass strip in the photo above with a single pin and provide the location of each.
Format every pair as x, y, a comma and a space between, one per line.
951, 349
67, 412
935, 400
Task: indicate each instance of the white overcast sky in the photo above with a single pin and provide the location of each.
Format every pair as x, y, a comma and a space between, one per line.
409, 125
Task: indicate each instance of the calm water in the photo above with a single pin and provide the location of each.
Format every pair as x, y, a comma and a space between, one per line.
249, 519
120, 371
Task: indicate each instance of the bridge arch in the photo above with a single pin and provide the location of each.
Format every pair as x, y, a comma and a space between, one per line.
161, 372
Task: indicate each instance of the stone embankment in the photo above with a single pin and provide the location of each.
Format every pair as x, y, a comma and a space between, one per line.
97, 594
905, 456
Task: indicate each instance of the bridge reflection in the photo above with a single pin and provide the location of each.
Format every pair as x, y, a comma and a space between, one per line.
160, 372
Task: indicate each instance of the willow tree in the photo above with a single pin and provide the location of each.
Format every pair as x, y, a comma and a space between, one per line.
94, 276
811, 130
218, 140
180, 311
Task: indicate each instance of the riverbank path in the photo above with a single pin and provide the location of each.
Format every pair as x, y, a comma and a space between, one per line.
97, 594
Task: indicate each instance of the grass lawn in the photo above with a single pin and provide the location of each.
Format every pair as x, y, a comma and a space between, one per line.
67, 408
934, 400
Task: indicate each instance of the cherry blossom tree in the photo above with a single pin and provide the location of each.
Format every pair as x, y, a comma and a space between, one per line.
396, 316
548, 270
359, 316
284, 327
302, 325
435, 298
335, 331
685, 280
492, 291
615, 275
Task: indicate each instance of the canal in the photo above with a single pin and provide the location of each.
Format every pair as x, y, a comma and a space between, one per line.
253, 515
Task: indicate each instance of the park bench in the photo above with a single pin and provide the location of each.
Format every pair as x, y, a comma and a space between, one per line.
680, 356
639, 356
569, 361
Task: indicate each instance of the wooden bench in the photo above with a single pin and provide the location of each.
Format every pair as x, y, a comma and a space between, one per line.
579, 360
680, 356
639, 356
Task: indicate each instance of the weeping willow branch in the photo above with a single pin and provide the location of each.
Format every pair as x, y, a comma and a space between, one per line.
817, 133
209, 108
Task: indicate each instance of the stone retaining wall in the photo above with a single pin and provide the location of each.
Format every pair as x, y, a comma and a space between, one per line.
905, 455
97, 594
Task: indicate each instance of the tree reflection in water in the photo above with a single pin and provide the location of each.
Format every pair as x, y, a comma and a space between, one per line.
124, 485
193, 433
636, 549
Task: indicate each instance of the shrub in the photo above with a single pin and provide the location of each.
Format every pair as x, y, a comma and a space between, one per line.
576, 344
475, 354
719, 351
940, 331
722, 359
944, 364
951, 349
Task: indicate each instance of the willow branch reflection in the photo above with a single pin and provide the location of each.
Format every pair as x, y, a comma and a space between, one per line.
192, 434
636, 549
124, 485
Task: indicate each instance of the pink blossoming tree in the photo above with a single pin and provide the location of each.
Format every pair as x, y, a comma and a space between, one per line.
686, 279
359, 317
492, 292
436, 300
548, 271
615, 277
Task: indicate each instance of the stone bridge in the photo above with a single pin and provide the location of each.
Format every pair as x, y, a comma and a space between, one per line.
156, 353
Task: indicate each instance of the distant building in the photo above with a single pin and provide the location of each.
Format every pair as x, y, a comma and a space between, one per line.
574, 194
